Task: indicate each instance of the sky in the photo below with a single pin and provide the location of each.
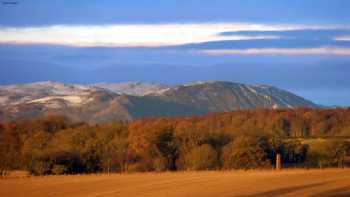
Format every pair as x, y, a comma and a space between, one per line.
301, 46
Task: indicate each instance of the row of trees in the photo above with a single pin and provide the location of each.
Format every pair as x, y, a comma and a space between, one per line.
242, 139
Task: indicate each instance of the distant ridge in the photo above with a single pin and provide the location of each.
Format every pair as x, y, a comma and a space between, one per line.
129, 100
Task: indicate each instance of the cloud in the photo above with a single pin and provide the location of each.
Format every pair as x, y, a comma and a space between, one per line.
131, 35
342, 38
269, 43
204, 38
278, 51
299, 33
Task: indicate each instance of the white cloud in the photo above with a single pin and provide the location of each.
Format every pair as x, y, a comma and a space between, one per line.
279, 51
138, 34
343, 38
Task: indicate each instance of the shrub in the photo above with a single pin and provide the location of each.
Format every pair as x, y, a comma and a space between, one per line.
160, 164
41, 168
137, 167
59, 169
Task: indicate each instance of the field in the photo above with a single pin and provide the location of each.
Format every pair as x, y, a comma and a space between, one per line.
330, 182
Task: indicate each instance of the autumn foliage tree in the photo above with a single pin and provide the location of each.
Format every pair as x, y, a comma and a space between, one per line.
244, 153
9, 150
241, 139
203, 157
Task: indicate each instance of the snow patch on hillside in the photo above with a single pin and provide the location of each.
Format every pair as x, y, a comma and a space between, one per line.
199, 83
73, 100
3, 100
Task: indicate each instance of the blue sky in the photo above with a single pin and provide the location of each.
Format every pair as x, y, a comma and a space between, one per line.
43, 12
302, 46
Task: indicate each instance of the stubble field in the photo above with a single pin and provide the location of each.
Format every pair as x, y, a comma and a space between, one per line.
330, 182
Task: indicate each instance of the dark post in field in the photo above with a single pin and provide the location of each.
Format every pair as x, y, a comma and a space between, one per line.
278, 161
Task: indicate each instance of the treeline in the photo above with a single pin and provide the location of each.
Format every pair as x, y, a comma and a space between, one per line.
242, 139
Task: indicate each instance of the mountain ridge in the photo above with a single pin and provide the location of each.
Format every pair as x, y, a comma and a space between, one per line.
129, 100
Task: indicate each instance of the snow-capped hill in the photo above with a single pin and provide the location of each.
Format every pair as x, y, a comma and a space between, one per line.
47, 87
227, 96
43, 92
129, 100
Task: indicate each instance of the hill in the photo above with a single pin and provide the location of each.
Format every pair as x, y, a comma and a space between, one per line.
130, 100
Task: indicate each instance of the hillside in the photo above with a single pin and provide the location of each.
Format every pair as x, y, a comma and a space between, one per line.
130, 100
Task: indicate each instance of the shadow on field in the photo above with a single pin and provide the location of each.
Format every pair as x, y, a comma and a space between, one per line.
283, 191
338, 192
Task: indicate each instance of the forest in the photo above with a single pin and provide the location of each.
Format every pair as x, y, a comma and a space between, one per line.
241, 139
